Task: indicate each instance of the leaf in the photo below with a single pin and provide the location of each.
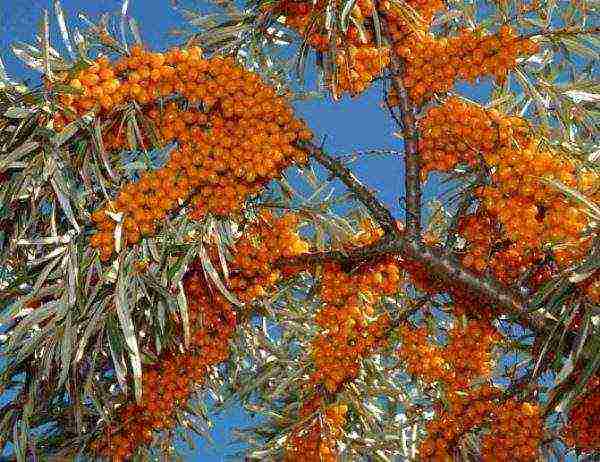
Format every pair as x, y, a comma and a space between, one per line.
123, 310
135, 31
346, 10
581, 96
117, 356
45, 35
208, 268
92, 326
183, 311
124, 8
20, 112
18, 153
65, 350
62, 25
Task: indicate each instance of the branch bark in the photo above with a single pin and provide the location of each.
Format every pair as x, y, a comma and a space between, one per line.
382, 215
412, 164
443, 267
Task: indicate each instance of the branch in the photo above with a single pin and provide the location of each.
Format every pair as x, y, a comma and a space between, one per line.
382, 215
444, 268
412, 166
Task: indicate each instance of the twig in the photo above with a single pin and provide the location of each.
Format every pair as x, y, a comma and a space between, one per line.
381, 214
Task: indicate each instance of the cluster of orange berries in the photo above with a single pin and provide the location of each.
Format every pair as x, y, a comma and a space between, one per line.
583, 428
360, 61
515, 433
516, 427
433, 65
464, 413
399, 30
317, 441
531, 214
466, 356
241, 137
168, 383
349, 327
264, 243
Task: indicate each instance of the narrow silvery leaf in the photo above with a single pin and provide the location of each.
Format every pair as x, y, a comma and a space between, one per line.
122, 306
124, 8
20, 112
183, 311
135, 31
583, 96
118, 360
346, 10
20, 52
102, 150
92, 326
64, 31
65, 204
72, 276
65, 350
210, 270
45, 35
18, 153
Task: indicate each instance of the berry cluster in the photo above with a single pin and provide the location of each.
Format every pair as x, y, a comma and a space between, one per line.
357, 57
519, 215
349, 327
235, 135
466, 356
515, 433
168, 383
433, 65
317, 441
583, 428
265, 242
464, 413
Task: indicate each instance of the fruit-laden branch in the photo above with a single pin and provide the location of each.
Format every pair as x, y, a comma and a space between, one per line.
412, 166
439, 265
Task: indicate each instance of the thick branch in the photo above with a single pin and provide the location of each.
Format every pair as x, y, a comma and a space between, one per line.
382, 215
412, 167
443, 267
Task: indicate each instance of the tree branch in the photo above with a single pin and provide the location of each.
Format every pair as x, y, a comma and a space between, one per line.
412, 166
382, 215
446, 269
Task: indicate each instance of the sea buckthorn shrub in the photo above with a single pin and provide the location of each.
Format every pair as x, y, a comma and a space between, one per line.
582, 430
235, 135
